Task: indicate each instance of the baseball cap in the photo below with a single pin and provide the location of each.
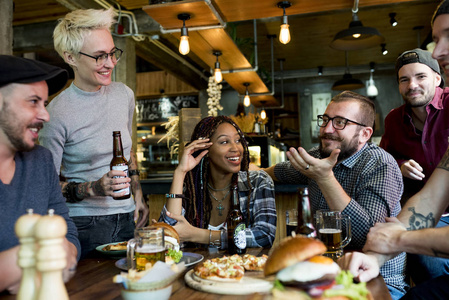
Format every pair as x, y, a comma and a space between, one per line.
418, 56
443, 8
23, 70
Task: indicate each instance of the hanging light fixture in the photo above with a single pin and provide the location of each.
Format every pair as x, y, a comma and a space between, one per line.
393, 21
284, 35
357, 36
347, 82
263, 113
217, 71
246, 99
371, 90
384, 49
184, 47
320, 70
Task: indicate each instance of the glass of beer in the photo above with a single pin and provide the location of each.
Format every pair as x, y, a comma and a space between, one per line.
291, 220
147, 247
335, 232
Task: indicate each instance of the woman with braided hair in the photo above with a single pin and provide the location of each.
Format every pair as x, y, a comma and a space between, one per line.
212, 164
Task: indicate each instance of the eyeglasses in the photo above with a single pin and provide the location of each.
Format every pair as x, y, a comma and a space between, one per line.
338, 123
101, 59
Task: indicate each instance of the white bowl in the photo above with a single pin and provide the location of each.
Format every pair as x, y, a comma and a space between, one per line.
158, 294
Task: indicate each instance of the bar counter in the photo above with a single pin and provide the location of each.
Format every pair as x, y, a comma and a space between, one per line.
93, 281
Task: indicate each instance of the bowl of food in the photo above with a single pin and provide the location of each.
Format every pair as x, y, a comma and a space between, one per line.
160, 294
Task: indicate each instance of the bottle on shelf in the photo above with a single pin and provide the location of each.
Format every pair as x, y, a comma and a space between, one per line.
305, 224
119, 162
236, 227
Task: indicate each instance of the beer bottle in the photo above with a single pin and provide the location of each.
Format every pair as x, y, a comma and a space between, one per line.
305, 225
119, 162
236, 227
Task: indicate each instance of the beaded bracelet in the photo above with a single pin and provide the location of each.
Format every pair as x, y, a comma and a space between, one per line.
175, 196
133, 172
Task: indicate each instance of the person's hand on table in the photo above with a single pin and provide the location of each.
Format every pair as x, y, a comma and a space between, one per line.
183, 227
411, 169
363, 267
310, 166
383, 237
71, 254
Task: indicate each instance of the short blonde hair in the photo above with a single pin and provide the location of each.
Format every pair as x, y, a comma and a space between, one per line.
70, 32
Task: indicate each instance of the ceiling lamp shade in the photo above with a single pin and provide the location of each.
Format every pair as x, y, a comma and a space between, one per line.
347, 82
357, 36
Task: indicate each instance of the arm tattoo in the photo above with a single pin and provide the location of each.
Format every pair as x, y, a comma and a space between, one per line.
419, 221
82, 190
444, 162
135, 185
96, 188
439, 253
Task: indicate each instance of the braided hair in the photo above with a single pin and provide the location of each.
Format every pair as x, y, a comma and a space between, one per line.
197, 203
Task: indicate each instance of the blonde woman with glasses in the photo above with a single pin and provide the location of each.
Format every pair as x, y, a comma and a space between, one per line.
79, 134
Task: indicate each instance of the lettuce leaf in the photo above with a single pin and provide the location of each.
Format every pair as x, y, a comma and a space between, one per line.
346, 287
175, 255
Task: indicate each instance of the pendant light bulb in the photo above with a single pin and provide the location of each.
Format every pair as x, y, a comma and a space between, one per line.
184, 47
263, 114
218, 75
246, 99
284, 34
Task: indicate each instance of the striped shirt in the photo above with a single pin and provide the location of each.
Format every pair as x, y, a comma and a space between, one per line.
373, 180
262, 224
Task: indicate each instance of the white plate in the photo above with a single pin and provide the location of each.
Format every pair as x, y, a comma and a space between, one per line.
187, 257
115, 253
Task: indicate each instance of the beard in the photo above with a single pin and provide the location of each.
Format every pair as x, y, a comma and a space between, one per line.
423, 100
12, 128
347, 148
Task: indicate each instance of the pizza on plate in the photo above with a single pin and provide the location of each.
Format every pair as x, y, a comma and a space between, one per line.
116, 247
229, 268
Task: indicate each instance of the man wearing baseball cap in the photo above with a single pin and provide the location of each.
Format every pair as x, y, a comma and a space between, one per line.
28, 179
416, 134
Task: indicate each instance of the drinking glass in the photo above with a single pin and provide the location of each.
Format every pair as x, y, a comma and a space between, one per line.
291, 220
146, 247
335, 232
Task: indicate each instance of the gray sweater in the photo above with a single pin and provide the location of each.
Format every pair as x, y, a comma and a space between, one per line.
79, 135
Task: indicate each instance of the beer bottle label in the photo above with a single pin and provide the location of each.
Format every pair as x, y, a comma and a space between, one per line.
123, 168
240, 236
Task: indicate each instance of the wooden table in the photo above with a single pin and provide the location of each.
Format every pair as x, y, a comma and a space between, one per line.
93, 280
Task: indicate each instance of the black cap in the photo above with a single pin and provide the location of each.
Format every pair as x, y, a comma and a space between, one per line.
442, 9
418, 56
15, 69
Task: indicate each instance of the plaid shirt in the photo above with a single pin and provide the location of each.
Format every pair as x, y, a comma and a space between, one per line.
371, 177
262, 223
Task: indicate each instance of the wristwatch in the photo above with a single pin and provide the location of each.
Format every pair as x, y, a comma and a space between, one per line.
133, 172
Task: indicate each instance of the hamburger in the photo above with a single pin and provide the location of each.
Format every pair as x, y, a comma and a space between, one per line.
303, 273
171, 239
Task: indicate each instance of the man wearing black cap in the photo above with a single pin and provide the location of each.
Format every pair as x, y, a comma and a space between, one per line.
28, 179
416, 134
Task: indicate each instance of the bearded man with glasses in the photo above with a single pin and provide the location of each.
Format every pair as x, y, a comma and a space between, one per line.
79, 133
349, 174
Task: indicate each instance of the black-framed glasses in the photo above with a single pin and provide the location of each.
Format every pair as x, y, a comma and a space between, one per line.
339, 123
101, 59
